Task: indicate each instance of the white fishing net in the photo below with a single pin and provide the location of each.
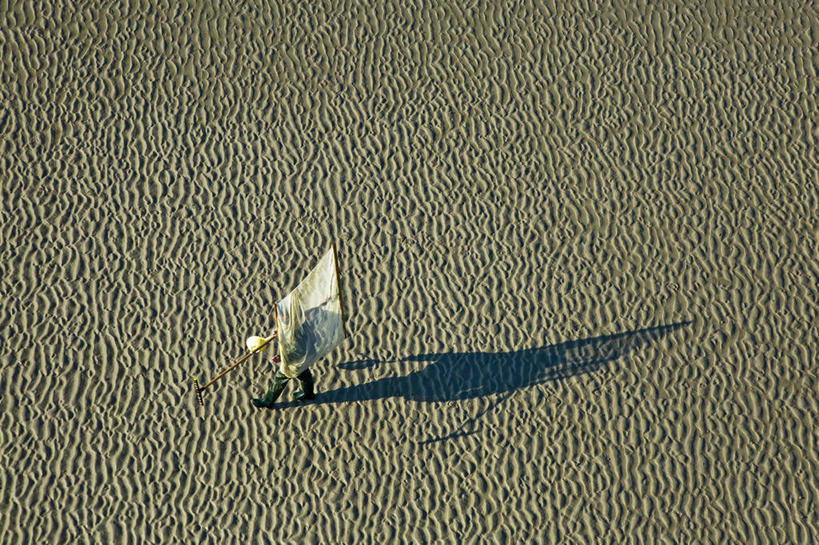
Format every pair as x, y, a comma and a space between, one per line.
309, 319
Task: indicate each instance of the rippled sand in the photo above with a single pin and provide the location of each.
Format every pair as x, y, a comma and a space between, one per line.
578, 253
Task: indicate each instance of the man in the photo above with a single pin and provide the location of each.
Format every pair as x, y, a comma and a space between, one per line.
305, 378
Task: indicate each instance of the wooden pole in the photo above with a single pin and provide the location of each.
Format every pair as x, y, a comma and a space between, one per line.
276, 316
340, 297
241, 360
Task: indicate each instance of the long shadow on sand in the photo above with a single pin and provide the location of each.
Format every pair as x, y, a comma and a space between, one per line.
455, 376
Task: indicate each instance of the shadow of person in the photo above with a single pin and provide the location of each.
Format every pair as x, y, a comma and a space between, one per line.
455, 376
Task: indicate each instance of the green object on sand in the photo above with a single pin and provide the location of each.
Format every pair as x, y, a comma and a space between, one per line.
277, 386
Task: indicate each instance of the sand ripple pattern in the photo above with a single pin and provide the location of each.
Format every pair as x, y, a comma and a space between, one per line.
506, 180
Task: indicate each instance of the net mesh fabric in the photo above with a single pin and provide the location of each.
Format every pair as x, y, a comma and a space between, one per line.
309, 318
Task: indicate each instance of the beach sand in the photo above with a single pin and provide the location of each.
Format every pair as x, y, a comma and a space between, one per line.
577, 251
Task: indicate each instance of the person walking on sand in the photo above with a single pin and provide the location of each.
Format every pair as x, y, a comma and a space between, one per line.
280, 379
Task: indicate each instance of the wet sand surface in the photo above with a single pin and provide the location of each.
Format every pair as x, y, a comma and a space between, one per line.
577, 251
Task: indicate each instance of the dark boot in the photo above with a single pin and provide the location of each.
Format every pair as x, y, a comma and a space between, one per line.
307, 393
276, 387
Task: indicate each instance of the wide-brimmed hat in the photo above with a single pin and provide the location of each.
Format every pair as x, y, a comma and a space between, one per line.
254, 343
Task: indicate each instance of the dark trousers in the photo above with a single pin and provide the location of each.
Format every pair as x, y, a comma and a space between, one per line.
280, 380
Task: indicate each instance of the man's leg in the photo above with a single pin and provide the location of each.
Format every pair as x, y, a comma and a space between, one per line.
307, 392
276, 387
